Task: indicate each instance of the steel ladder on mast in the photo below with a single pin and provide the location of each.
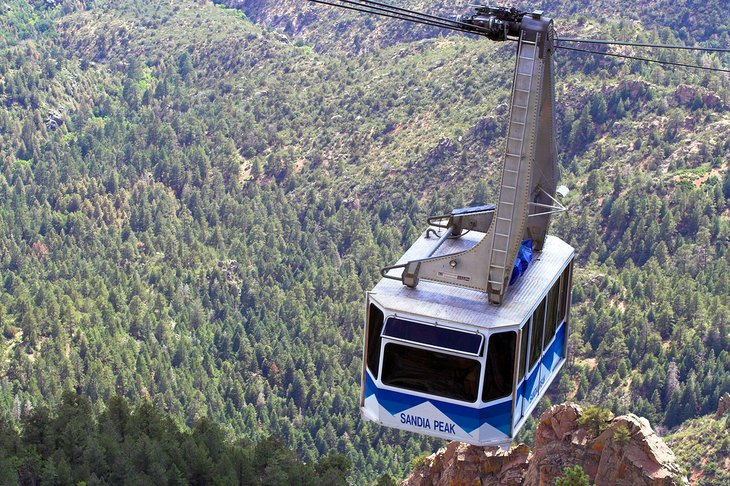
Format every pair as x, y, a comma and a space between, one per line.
516, 164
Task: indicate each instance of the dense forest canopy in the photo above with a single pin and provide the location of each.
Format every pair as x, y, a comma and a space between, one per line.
74, 445
192, 206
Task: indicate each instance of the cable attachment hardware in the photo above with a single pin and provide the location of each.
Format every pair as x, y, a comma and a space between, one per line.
497, 23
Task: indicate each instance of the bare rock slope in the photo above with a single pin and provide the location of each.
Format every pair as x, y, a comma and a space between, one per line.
627, 452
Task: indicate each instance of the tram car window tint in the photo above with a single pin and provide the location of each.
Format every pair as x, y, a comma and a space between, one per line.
564, 290
375, 327
500, 367
523, 351
551, 318
431, 372
538, 324
439, 337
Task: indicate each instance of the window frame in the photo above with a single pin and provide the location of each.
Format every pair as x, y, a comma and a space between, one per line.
524, 351
374, 340
552, 321
565, 293
419, 344
511, 375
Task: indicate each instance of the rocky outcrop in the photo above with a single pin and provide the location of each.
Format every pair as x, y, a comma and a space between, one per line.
626, 452
54, 119
723, 406
689, 96
636, 88
436, 156
464, 465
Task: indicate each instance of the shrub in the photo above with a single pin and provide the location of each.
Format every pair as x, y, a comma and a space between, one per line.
573, 476
595, 419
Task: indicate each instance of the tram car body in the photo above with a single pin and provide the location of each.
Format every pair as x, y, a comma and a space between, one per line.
439, 360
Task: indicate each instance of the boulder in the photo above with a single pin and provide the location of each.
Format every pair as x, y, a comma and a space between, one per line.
640, 457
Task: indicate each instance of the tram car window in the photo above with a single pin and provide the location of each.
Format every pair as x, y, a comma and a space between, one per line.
551, 320
565, 286
538, 326
523, 351
431, 372
500, 367
373, 338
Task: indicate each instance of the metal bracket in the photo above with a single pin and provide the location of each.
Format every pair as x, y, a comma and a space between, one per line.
555, 208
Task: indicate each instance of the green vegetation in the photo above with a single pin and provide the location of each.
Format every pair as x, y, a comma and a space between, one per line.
595, 419
73, 445
573, 476
622, 435
702, 447
192, 207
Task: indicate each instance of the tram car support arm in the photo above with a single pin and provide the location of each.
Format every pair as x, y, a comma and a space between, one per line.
530, 171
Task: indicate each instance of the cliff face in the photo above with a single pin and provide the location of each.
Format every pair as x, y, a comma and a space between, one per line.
628, 452
460, 464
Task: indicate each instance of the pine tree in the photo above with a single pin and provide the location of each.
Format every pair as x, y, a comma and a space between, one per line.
574, 476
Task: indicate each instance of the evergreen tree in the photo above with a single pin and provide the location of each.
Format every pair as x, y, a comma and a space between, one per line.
573, 476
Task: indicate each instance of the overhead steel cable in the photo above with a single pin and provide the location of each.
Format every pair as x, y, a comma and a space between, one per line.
399, 13
383, 12
642, 44
469, 27
645, 59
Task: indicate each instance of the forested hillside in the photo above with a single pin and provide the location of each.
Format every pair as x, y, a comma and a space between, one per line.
192, 205
74, 445
349, 32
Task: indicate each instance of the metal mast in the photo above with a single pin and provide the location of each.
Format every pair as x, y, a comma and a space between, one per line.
529, 174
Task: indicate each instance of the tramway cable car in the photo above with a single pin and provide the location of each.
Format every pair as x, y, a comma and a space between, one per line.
466, 331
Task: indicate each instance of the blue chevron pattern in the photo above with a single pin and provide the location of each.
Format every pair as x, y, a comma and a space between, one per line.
468, 418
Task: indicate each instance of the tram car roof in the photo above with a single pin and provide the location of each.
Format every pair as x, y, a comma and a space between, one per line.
442, 302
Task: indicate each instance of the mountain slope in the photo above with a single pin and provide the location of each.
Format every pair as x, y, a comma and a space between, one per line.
352, 32
193, 206
702, 445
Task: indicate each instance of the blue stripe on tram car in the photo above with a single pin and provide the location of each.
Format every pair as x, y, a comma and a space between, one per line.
468, 418
558, 347
556, 351
531, 385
